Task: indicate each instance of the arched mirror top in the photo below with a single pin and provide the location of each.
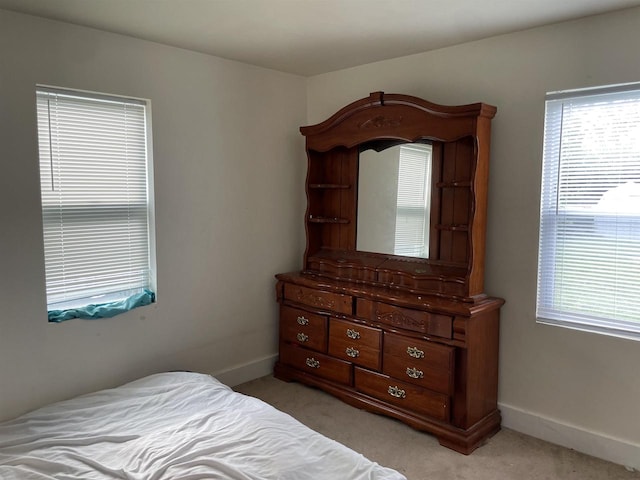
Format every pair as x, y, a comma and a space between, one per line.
389, 117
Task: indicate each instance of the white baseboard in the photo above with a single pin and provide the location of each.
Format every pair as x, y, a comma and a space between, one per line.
584, 441
247, 371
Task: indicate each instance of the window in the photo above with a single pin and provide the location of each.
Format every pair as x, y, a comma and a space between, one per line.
412, 214
589, 257
96, 203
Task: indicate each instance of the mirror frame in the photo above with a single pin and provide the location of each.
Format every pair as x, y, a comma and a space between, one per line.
460, 136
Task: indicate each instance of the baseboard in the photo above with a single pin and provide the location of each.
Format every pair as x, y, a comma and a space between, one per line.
247, 371
584, 441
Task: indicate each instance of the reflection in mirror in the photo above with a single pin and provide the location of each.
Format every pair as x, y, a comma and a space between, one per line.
394, 192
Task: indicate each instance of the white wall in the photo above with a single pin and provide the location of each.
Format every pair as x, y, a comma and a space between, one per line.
574, 388
229, 188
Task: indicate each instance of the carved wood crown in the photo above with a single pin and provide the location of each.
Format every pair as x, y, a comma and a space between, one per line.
444, 113
380, 122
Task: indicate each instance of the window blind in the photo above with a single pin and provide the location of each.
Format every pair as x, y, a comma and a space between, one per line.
412, 213
589, 251
95, 200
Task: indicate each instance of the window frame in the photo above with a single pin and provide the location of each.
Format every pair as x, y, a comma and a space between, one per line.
550, 192
108, 304
407, 210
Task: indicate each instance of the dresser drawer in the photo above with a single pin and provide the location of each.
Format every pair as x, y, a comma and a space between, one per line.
316, 363
407, 318
403, 395
303, 328
355, 343
427, 364
336, 302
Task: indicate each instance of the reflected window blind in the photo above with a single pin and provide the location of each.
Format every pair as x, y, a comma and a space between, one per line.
93, 171
589, 255
412, 213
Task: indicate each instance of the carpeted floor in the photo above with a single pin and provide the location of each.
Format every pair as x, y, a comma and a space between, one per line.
506, 456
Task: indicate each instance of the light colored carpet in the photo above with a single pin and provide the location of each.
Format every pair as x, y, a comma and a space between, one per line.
506, 456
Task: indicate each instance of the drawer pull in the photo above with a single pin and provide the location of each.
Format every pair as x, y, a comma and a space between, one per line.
302, 320
353, 334
396, 392
312, 362
302, 337
415, 352
352, 352
415, 373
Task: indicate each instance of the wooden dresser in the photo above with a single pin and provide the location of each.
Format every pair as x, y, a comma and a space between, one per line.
414, 338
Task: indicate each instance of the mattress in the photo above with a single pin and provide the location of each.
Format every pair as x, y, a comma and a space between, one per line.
176, 425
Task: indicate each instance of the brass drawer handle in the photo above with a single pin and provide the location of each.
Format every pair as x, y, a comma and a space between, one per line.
312, 362
353, 334
415, 352
302, 320
352, 352
396, 392
302, 337
415, 373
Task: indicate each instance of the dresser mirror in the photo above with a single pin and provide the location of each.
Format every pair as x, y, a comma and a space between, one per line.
355, 177
394, 200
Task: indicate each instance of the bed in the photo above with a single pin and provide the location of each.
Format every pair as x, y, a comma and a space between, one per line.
176, 425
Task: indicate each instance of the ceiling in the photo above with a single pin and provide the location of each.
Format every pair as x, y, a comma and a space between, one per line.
309, 37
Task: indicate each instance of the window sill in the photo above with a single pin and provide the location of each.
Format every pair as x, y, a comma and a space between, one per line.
103, 310
612, 330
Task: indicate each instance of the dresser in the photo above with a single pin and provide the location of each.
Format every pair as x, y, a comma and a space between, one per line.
412, 336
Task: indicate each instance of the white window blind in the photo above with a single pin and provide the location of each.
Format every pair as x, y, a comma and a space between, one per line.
412, 213
589, 256
95, 196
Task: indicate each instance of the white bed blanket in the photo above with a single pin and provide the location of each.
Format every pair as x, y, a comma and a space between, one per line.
175, 425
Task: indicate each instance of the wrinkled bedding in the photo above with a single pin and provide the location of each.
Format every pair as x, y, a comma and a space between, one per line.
174, 425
